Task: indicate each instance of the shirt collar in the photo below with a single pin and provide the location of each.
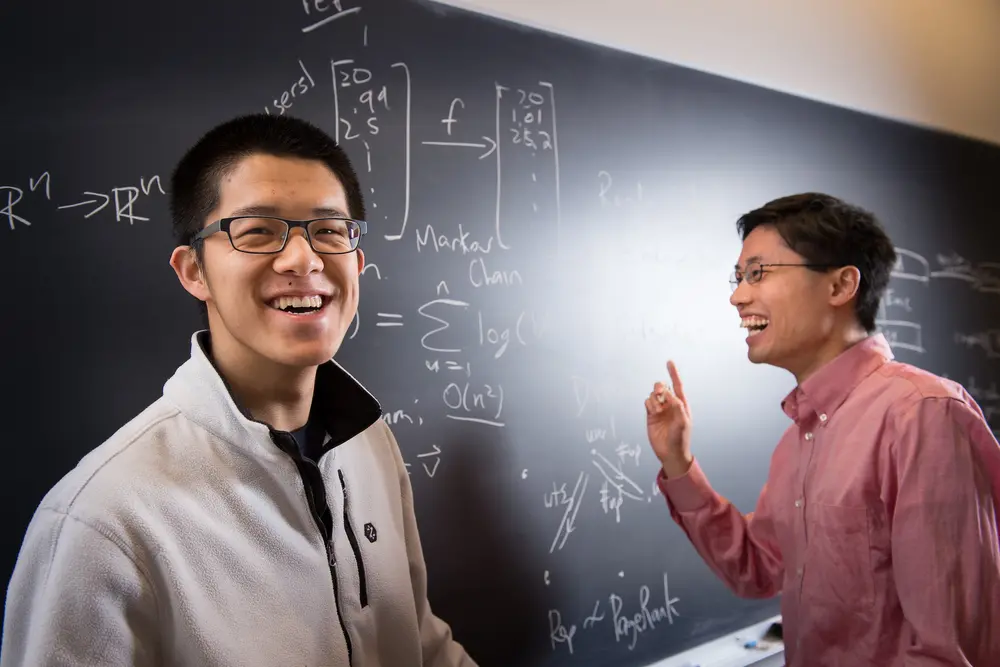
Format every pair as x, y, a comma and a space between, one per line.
825, 390
344, 407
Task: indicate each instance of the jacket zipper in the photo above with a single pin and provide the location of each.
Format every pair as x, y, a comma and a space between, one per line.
352, 538
331, 557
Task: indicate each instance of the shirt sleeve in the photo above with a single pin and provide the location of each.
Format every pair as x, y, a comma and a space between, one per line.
946, 561
438, 646
77, 597
741, 550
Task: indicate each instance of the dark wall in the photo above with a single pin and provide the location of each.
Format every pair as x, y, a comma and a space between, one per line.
539, 277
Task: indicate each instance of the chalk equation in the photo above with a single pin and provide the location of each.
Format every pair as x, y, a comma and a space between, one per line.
369, 108
902, 335
122, 200
495, 334
428, 462
987, 341
628, 621
982, 277
618, 487
569, 502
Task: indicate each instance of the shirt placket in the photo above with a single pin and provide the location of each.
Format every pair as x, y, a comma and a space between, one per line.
807, 424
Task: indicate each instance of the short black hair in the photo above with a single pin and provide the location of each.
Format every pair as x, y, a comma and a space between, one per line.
194, 190
828, 231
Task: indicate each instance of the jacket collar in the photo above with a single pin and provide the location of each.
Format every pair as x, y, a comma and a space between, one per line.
826, 390
344, 406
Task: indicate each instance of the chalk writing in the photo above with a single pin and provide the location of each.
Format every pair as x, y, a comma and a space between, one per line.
526, 129
480, 276
558, 633
303, 85
629, 627
592, 435
902, 335
617, 486
911, 266
360, 103
326, 10
983, 277
13, 195
429, 462
595, 616
454, 243
988, 341
471, 404
571, 507
588, 392
395, 417
611, 198
124, 199
892, 300
442, 304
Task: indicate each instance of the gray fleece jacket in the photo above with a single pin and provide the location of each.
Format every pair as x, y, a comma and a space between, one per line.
197, 536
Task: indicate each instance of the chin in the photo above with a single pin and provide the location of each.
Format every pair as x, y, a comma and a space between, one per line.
304, 354
757, 356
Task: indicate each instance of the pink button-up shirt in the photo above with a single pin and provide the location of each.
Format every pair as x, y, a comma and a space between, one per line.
878, 522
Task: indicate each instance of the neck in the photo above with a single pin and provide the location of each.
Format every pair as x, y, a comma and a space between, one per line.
277, 395
829, 350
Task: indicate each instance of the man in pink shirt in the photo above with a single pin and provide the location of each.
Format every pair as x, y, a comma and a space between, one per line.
878, 521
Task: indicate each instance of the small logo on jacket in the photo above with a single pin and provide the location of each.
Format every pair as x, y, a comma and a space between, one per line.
370, 532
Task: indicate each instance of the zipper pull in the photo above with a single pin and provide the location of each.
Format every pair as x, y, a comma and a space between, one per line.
331, 554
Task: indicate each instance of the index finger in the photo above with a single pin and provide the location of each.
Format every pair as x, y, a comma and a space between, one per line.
675, 379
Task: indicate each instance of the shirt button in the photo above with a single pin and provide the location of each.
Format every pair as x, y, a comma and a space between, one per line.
809, 435
799, 571
822, 417
798, 502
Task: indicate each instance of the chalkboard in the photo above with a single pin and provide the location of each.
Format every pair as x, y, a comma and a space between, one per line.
549, 222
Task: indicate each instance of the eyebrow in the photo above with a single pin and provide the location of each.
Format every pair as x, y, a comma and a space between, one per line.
263, 209
750, 260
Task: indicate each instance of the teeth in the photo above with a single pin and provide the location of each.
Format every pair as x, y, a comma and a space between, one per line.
754, 322
285, 302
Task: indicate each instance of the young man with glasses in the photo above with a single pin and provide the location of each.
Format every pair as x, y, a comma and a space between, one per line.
878, 522
259, 513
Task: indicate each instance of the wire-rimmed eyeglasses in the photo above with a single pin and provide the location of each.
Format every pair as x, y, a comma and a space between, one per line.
754, 271
264, 235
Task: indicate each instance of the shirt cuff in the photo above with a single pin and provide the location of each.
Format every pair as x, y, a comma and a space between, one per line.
687, 493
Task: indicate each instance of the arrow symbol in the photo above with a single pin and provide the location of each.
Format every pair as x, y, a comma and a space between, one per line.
465, 144
437, 452
90, 201
493, 147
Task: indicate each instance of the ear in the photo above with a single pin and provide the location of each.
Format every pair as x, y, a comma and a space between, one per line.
844, 286
361, 260
184, 262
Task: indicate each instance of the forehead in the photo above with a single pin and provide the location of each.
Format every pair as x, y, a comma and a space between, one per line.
764, 244
281, 182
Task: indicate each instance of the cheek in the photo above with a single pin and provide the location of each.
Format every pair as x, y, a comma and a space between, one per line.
231, 285
343, 272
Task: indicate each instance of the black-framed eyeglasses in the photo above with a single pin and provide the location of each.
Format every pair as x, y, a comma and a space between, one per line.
754, 271
264, 235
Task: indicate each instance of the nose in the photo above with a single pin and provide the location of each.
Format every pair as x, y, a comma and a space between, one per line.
741, 295
298, 257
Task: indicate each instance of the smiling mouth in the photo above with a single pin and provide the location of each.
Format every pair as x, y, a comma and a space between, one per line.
754, 325
299, 305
